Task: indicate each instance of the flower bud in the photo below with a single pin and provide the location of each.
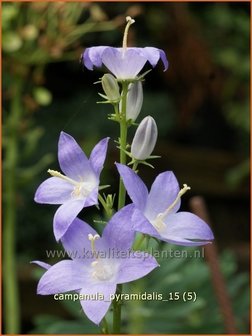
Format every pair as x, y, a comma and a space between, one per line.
145, 139
110, 87
134, 100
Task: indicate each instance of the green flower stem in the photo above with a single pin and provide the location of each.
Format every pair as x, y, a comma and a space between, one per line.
135, 164
117, 113
139, 242
104, 326
117, 312
123, 142
122, 194
136, 321
10, 283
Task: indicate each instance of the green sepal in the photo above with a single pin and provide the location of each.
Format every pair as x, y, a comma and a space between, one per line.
102, 187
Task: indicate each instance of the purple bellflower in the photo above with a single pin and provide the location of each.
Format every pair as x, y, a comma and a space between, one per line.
156, 213
125, 63
78, 188
98, 264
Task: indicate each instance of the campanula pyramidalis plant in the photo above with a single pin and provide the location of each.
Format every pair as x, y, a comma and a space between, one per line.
151, 214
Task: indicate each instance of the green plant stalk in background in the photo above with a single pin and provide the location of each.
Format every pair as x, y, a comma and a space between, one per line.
10, 283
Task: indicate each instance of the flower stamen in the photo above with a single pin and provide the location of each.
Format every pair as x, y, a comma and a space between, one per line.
81, 189
129, 21
55, 173
181, 193
159, 221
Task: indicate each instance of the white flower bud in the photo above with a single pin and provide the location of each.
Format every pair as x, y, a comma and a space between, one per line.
134, 100
111, 87
145, 139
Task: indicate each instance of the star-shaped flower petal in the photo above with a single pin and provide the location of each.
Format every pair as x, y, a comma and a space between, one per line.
98, 264
125, 64
156, 213
78, 188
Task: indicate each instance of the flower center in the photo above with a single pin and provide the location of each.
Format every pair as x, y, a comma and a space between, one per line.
129, 21
100, 270
81, 189
158, 222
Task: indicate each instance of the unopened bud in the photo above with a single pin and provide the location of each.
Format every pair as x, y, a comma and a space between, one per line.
145, 139
111, 87
134, 100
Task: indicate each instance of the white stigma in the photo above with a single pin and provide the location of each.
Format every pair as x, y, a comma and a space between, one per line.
129, 21
158, 223
92, 240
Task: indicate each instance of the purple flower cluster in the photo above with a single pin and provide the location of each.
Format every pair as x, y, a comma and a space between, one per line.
147, 214
154, 213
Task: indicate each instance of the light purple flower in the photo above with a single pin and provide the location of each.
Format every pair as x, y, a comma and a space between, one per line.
78, 188
98, 264
124, 63
156, 213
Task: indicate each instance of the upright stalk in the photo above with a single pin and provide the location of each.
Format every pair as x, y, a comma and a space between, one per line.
10, 282
104, 326
123, 143
121, 195
117, 312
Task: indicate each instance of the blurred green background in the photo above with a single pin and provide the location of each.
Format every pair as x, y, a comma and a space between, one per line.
201, 106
